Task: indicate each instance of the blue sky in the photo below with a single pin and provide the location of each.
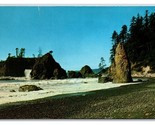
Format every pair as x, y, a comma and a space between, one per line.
77, 35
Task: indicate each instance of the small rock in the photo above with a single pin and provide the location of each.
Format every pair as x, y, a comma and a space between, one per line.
147, 114
12, 90
28, 88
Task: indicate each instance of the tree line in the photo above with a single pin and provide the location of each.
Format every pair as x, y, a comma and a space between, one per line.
139, 39
20, 53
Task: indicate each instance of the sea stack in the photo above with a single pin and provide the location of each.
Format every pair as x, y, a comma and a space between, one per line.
47, 68
122, 67
86, 71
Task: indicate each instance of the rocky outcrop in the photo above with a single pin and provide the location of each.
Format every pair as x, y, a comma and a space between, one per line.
122, 69
47, 68
74, 74
59, 73
86, 71
104, 79
28, 88
16, 66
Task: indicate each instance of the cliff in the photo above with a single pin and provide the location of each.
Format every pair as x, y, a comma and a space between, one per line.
16, 66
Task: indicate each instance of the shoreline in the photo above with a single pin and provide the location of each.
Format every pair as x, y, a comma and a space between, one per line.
82, 105
52, 88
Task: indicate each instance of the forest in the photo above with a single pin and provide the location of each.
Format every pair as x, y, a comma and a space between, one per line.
139, 41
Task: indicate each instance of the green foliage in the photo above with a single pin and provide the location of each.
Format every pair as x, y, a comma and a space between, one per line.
22, 53
102, 64
17, 52
39, 52
115, 41
139, 40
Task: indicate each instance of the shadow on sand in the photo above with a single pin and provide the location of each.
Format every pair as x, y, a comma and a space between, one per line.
67, 105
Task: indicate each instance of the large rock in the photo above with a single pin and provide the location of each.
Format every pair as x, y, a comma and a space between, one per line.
86, 71
59, 73
46, 68
74, 74
16, 66
28, 88
104, 79
122, 68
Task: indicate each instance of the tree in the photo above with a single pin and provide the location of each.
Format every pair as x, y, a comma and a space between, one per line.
17, 52
9, 55
115, 41
51, 52
146, 19
22, 53
102, 64
33, 55
39, 52
123, 34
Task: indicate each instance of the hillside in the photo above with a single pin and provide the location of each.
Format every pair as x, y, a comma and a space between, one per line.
139, 40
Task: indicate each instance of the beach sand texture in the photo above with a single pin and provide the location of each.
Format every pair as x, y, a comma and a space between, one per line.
51, 88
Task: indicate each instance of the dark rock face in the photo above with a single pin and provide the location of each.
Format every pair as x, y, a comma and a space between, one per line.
74, 74
28, 88
121, 68
59, 73
16, 66
86, 71
46, 68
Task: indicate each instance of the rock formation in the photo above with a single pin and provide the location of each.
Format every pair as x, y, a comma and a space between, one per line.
104, 79
86, 71
47, 68
74, 74
28, 88
122, 69
16, 66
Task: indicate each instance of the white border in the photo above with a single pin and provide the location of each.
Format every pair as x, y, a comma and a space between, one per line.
79, 2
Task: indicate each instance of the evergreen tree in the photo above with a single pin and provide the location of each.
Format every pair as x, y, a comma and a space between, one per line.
123, 34
139, 40
102, 64
22, 53
17, 52
39, 52
115, 41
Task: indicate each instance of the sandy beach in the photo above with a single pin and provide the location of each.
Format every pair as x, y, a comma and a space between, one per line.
50, 88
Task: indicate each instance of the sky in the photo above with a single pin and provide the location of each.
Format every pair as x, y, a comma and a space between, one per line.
77, 35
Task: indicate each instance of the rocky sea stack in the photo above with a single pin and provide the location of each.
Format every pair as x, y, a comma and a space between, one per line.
47, 68
86, 71
122, 68
74, 74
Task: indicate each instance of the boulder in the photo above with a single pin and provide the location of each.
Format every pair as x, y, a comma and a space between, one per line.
12, 90
104, 79
121, 68
46, 68
86, 71
28, 88
74, 74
